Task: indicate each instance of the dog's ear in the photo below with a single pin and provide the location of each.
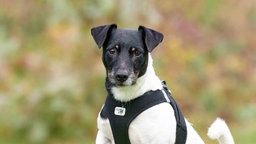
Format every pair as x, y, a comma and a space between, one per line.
151, 37
101, 33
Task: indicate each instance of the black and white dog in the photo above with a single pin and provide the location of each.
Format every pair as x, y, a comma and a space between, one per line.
130, 75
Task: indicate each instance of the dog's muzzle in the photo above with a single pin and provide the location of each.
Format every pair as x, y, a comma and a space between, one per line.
121, 75
122, 78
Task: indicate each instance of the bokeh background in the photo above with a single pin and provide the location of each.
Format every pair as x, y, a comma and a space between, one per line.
52, 78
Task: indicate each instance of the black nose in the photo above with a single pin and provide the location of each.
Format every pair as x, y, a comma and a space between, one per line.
122, 76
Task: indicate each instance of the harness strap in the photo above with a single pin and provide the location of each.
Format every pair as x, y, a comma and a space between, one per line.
181, 128
120, 124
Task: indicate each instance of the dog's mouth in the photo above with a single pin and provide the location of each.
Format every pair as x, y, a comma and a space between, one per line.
121, 80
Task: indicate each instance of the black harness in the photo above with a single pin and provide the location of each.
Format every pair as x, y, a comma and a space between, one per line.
121, 114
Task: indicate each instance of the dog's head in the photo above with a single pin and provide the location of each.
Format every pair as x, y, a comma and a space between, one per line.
125, 51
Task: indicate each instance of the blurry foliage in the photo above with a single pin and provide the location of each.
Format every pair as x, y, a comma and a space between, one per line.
52, 78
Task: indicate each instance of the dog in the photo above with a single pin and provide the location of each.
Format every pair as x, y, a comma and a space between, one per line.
130, 76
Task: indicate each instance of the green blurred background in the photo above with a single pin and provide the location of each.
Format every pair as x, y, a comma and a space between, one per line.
52, 78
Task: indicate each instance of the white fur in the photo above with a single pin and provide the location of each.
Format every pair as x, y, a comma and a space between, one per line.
220, 131
156, 125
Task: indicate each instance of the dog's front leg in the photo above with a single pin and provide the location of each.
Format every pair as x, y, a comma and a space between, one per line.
104, 135
101, 139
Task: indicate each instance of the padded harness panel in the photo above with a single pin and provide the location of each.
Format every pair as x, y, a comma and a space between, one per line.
120, 124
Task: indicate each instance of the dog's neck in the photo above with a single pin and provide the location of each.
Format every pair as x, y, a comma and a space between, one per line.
148, 81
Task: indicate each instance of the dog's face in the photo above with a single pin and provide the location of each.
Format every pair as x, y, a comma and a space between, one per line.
125, 52
125, 57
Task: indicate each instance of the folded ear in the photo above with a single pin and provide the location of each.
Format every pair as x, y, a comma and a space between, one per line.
101, 33
151, 37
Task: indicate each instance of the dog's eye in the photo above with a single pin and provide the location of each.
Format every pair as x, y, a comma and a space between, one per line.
136, 52
112, 51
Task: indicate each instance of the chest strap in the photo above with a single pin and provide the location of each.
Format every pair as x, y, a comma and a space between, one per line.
130, 110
